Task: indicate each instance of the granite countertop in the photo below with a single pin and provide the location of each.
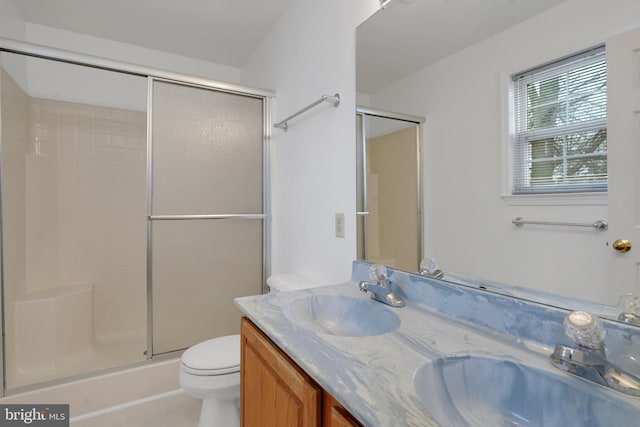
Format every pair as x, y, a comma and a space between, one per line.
373, 376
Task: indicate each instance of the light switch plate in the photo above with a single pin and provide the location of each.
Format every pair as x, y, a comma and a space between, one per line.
340, 225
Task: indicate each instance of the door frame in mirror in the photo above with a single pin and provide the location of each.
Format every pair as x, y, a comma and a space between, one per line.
361, 203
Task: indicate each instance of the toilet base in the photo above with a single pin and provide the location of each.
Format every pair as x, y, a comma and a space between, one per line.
220, 413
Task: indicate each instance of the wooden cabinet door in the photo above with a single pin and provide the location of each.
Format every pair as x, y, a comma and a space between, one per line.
274, 391
334, 414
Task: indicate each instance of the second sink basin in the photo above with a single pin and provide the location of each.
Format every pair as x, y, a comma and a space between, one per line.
342, 315
483, 391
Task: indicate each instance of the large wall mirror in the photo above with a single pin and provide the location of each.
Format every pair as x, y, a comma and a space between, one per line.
452, 63
388, 176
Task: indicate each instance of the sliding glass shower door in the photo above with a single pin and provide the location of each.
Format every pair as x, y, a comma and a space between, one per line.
206, 211
132, 213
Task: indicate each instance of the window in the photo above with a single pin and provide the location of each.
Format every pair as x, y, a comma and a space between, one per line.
560, 126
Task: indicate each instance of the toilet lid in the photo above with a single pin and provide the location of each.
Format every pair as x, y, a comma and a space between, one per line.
216, 356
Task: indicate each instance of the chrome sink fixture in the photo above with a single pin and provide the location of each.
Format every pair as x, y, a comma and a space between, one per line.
381, 290
629, 309
429, 267
341, 315
480, 391
588, 360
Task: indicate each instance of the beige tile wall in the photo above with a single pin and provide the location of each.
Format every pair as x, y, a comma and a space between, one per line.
74, 201
101, 195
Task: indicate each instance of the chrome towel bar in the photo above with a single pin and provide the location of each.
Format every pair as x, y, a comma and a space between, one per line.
600, 225
335, 99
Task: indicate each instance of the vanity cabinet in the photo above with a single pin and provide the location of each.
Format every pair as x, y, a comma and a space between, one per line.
275, 392
334, 414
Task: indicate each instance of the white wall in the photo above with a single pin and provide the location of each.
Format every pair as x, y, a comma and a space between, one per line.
311, 52
132, 54
12, 25
468, 224
41, 78
86, 85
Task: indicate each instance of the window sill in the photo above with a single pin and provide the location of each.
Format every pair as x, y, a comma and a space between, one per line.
560, 199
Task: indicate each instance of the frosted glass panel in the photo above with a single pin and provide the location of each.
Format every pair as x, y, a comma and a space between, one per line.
207, 151
207, 159
199, 267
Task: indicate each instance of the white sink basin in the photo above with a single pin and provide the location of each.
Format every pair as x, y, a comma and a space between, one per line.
483, 391
342, 315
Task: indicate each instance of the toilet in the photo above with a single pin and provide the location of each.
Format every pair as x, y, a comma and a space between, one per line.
289, 282
210, 370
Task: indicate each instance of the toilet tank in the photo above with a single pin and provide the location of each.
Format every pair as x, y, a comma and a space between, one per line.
289, 282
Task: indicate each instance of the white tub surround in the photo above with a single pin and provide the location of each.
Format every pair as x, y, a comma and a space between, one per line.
388, 377
56, 327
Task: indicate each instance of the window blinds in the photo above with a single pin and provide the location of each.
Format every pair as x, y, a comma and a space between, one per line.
560, 142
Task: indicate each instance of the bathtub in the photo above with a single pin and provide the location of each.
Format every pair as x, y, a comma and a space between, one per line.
56, 341
92, 397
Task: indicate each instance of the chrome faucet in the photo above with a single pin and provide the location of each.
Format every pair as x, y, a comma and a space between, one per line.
381, 289
588, 360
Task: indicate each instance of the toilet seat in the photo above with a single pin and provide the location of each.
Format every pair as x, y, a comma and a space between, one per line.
217, 356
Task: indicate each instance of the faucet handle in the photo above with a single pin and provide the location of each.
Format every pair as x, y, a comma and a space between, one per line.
429, 267
629, 309
585, 329
378, 273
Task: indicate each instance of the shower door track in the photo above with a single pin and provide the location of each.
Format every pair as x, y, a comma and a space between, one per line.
46, 52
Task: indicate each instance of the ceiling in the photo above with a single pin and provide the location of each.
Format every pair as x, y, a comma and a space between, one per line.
409, 35
221, 31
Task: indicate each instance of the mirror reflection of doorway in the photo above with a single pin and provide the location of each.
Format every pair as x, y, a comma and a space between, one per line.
389, 189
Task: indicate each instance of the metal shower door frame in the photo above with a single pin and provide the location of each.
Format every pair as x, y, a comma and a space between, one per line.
265, 216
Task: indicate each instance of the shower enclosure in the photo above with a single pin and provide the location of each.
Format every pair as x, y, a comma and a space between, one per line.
133, 211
